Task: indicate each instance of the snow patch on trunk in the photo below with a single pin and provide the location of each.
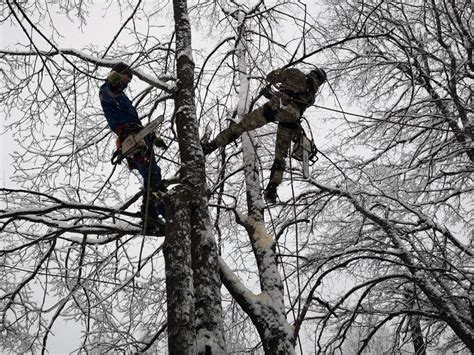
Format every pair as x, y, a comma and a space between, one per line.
263, 240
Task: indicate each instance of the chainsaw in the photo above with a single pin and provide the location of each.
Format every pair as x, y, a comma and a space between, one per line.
305, 151
134, 143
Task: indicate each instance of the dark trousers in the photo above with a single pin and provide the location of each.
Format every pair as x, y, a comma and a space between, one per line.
146, 165
287, 117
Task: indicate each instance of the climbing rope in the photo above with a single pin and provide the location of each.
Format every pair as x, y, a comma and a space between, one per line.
296, 234
344, 113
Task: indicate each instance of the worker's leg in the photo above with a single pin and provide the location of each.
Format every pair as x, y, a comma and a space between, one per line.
290, 113
288, 119
285, 134
249, 122
255, 119
282, 145
151, 173
149, 170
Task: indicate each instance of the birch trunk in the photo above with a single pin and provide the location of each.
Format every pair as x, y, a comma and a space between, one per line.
267, 309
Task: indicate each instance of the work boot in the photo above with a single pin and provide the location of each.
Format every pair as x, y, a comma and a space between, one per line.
209, 147
270, 193
155, 204
152, 226
153, 210
157, 195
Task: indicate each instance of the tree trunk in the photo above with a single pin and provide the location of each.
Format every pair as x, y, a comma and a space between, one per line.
267, 310
414, 324
417, 335
179, 277
207, 283
208, 311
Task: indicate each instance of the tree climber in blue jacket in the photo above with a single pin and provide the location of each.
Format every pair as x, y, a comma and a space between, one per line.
123, 120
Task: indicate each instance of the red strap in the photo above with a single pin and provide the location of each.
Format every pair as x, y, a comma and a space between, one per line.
120, 128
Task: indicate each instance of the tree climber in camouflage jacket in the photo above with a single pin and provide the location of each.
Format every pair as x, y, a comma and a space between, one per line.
297, 92
123, 120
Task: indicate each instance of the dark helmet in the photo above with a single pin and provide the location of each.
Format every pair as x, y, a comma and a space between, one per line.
318, 74
123, 68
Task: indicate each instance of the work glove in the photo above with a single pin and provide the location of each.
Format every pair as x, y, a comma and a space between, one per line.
267, 91
160, 143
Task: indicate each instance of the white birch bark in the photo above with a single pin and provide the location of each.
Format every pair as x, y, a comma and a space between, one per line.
267, 309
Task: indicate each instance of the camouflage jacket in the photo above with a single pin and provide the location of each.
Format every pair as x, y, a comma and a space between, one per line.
294, 84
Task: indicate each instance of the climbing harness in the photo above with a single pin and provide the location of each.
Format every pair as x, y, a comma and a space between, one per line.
304, 148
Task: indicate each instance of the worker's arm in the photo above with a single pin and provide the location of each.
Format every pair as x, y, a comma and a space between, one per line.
290, 76
274, 76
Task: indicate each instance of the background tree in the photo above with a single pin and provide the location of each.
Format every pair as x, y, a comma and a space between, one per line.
390, 210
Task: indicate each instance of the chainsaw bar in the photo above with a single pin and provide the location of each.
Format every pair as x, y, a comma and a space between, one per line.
134, 142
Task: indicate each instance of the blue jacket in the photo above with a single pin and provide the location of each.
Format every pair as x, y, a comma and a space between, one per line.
118, 109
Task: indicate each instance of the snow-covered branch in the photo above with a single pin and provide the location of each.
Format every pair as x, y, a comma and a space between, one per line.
159, 83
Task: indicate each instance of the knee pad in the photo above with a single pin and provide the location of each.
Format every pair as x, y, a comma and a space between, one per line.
269, 112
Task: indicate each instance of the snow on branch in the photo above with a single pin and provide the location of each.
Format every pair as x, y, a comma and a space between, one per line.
242, 294
103, 223
160, 83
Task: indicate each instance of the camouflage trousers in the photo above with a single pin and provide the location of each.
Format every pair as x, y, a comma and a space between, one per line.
287, 117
